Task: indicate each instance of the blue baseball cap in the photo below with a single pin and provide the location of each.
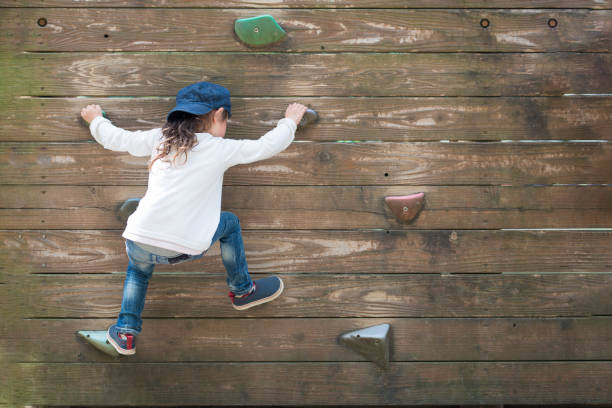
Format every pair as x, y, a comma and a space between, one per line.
201, 98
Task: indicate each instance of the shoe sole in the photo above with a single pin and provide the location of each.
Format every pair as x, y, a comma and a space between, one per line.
264, 300
120, 350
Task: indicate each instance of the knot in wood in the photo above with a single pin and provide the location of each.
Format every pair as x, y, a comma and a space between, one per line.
484, 23
552, 23
42, 22
453, 236
324, 156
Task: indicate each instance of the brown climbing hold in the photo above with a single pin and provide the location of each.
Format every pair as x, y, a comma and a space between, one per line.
406, 208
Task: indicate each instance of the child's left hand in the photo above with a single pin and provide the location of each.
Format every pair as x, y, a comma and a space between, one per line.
90, 112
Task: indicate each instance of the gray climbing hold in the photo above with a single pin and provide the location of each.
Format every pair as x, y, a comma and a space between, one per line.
127, 208
98, 339
372, 342
310, 116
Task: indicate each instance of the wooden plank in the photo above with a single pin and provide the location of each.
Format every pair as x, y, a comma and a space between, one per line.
283, 74
310, 30
325, 207
374, 119
302, 340
430, 4
338, 252
324, 295
310, 383
331, 164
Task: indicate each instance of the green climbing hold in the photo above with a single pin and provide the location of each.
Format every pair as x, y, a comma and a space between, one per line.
259, 31
97, 338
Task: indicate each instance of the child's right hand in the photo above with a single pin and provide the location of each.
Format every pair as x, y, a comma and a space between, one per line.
90, 112
295, 111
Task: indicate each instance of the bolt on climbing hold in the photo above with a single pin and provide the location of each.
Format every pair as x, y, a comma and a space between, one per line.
406, 208
97, 338
259, 31
372, 342
127, 208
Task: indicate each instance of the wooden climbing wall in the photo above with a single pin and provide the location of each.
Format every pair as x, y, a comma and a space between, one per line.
500, 293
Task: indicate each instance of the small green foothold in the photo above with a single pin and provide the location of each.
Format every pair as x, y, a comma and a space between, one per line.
97, 339
259, 31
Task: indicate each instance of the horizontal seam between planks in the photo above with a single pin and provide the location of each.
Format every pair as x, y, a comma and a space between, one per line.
437, 362
324, 362
258, 97
298, 53
252, 8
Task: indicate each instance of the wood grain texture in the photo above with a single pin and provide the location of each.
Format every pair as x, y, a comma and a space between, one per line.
311, 383
369, 119
479, 316
332, 164
337, 252
302, 340
595, 4
325, 207
323, 295
290, 74
310, 30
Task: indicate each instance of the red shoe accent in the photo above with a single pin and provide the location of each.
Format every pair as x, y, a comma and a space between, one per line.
232, 295
130, 341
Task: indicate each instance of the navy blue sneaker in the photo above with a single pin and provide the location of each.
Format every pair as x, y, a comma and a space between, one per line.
264, 290
124, 343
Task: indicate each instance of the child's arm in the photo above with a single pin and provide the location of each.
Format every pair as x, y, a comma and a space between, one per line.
270, 144
138, 143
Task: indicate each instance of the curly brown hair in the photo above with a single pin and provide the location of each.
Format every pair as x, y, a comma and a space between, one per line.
180, 134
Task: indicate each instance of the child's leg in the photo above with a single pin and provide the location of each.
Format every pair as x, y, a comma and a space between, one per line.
134, 290
229, 235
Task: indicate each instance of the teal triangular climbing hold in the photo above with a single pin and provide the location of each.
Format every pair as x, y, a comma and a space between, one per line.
97, 338
259, 31
372, 342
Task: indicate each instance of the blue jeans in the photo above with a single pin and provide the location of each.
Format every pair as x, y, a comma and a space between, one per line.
142, 262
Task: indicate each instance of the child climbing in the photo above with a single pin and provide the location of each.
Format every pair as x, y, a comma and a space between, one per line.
180, 216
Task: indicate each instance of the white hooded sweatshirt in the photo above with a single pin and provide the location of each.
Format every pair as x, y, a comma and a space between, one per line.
182, 206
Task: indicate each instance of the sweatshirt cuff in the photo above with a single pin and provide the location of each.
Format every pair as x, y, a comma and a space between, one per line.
94, 125
289, 122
